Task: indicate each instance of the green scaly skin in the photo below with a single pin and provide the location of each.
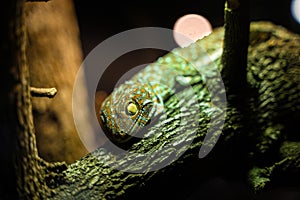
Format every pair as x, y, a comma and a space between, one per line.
149, 89
274, 97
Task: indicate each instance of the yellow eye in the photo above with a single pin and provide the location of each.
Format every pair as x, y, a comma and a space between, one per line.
132, 109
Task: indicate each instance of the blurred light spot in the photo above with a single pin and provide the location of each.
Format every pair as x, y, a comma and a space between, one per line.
295, 8
193, 27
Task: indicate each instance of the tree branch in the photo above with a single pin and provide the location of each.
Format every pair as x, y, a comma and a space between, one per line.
43, 92
236, 37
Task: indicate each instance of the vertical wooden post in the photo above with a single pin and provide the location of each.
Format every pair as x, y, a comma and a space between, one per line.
236, 37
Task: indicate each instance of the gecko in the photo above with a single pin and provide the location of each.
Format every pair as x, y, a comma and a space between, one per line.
132, 105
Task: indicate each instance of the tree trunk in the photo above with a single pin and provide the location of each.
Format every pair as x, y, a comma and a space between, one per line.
25, 175
17, 130
54, 56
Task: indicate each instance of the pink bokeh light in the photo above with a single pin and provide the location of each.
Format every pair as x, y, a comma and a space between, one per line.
193, 27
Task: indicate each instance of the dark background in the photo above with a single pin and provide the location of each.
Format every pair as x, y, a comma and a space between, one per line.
98, 20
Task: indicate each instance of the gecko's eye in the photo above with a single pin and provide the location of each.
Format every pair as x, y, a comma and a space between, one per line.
131, 109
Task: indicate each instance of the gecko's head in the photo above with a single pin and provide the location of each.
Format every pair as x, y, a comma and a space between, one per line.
128, 109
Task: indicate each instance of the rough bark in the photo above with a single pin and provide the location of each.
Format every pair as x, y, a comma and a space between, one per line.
18, 127
25, 175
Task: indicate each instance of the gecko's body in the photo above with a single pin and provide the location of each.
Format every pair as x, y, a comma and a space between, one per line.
132, 105
274, 84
